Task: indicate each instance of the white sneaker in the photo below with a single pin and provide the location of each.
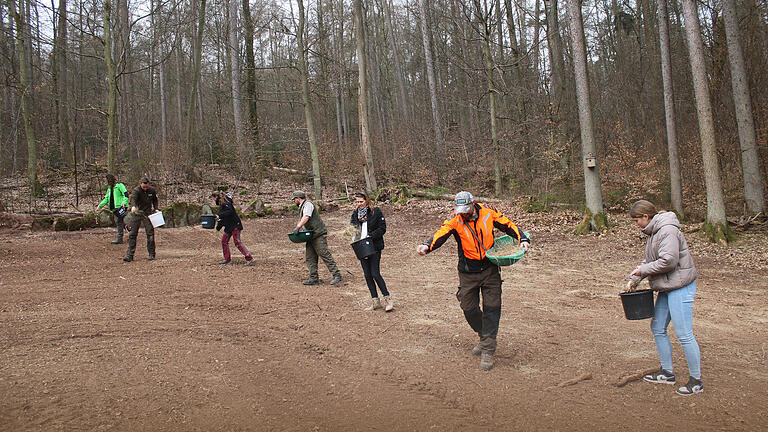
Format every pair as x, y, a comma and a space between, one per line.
389, 306
375, 304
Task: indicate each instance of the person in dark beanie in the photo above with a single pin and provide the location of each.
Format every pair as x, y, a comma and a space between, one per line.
317, 246
233, 226
143, 204
116, 200
472, 226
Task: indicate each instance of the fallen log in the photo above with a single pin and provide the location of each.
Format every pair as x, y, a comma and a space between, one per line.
634, 377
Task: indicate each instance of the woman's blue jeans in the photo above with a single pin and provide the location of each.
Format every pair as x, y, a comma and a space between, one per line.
676, 306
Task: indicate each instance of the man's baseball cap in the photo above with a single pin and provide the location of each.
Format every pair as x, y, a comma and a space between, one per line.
298, 194
463, 201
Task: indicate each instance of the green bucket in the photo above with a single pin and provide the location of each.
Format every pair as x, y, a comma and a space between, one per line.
301, 236
501, 243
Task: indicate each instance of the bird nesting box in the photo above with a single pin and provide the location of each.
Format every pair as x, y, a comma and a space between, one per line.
591, 163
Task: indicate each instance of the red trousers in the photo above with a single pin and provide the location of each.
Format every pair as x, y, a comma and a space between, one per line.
239, 244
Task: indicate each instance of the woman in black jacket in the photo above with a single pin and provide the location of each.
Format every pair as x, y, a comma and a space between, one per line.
230, 221
370, 223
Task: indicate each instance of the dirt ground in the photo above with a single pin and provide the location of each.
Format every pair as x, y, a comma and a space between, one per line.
181, 343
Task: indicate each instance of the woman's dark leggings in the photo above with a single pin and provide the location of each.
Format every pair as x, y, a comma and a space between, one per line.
373, 274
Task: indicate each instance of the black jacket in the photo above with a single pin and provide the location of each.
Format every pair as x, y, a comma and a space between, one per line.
144, 200
377, 226
228, 218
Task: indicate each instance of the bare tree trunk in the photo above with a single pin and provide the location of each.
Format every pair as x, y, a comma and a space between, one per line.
250, 71
436, 119
398, 66
750, 161
193, 94
715, 201
483, 20
555, 45
536, 31
125, 64
362, 99
179, 104
111, 87
21, 35
62, 85
305, 97
676, 183
592, 185
234, 57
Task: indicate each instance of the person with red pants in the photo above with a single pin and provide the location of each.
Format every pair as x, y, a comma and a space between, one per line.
472, 226
233, 226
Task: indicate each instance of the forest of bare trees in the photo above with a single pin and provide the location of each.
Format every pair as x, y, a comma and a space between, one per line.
592, 102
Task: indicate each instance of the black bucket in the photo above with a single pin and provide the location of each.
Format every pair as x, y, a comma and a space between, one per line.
637, 304
363, 248
209, 221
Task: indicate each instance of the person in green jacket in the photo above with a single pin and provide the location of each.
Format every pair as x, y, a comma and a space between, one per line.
116, 200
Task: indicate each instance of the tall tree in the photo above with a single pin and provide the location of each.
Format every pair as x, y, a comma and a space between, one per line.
61, 74
717, 224
193, 94
555, 46
305, 97
676, 183
250, 70
362, 98
750, 161
20, 17
592, 185
111, 87
483, 19
436, 118
234, 57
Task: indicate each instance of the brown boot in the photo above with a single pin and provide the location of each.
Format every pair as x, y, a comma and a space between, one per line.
486, 360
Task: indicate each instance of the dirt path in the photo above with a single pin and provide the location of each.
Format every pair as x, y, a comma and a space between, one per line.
91, 343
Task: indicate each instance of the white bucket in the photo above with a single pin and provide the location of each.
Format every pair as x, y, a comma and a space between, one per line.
157, 219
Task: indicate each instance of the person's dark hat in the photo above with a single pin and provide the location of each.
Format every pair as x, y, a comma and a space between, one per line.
299, 194
144, 180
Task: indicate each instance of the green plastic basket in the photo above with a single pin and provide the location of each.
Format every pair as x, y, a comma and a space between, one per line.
504, 260
301, 236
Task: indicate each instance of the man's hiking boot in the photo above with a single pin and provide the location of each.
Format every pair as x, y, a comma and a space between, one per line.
486, 361
311, 282
660, 377
128, 259
694, 386
224, 262
249, 263
476, 350
336, 279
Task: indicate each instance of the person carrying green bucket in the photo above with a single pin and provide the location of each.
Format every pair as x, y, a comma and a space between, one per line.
472, 226
317, 246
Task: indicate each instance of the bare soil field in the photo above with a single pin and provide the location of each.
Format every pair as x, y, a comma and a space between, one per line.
184, 344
